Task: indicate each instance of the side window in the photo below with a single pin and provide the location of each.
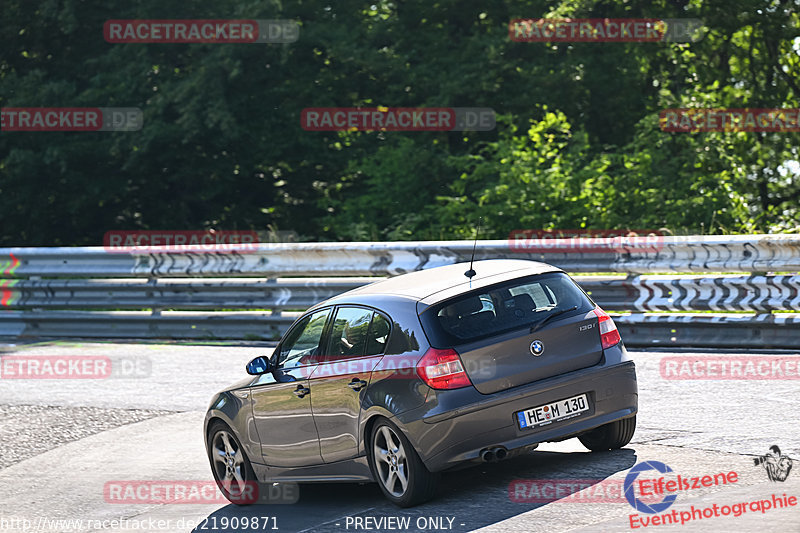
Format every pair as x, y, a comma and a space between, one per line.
302, 343
378, 335
349, 332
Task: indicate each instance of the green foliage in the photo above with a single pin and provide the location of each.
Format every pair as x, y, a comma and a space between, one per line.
577, 143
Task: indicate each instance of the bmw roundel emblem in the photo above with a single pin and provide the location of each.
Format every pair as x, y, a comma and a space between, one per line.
537, 347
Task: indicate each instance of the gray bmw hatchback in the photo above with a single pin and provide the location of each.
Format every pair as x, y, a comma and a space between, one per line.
402, 379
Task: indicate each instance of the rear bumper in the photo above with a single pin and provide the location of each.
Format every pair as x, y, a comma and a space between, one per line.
455, 426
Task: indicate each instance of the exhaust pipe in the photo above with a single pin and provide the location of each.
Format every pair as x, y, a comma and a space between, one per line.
494, 454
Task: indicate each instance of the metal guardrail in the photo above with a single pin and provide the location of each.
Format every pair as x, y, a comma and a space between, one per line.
92, 292
176, 293
241, 325
710, 330
686, 330
690, 254
634, 293
695, 293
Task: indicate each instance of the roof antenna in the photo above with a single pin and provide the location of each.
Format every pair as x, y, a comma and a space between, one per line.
471, 273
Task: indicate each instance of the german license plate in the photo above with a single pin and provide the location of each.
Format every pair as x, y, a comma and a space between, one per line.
553, 412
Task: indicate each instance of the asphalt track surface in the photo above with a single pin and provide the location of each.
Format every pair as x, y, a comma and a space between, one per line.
62, 441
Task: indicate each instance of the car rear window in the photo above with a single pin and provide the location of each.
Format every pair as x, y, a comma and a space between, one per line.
499, 308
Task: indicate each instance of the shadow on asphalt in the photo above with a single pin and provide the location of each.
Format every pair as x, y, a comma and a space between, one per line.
473, 497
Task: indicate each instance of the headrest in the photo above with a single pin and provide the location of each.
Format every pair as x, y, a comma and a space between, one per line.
521, 301
380, 327
463, 307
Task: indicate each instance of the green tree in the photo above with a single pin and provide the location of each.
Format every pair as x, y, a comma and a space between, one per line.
577, 144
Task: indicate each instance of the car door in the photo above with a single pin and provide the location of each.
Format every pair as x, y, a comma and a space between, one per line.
356, 343
282, 399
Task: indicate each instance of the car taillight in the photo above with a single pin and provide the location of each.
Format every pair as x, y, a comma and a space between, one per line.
609, 334
442, 369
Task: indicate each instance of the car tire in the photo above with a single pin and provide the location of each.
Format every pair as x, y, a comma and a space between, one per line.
400, 473
610, 436
231, 468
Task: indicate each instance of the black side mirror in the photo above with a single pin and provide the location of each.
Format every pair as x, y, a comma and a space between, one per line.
259, 365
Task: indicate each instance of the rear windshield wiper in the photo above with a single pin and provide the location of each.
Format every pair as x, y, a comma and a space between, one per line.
552, 315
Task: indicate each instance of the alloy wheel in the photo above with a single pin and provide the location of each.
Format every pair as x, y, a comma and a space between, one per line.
391, 462
229, 463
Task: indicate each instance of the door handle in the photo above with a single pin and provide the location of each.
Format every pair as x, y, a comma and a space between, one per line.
301, 391
357, 384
